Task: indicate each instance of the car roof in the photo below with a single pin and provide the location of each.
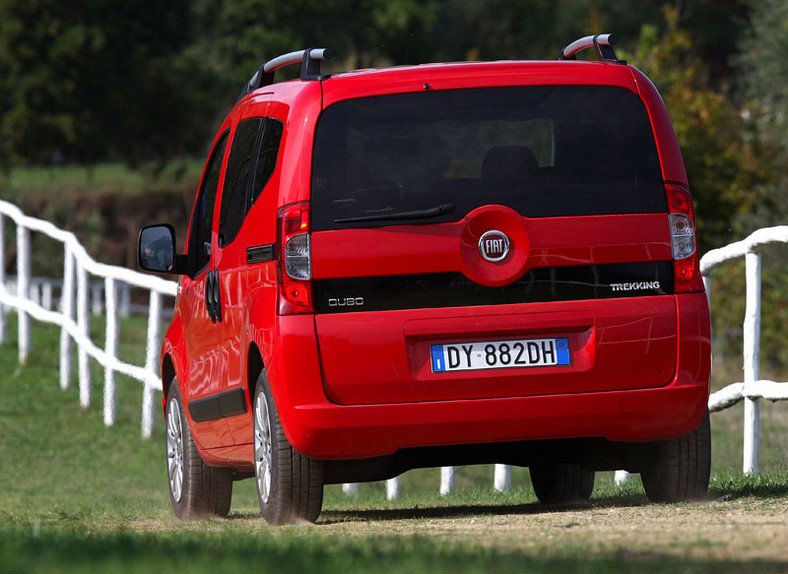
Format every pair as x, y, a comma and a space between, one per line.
453, 75
461, 75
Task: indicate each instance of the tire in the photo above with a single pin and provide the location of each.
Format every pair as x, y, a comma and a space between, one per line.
679, 469
196, 489
289, 484
561, 483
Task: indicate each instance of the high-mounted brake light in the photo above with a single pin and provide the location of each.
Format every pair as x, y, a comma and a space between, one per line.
686, 260
295, 260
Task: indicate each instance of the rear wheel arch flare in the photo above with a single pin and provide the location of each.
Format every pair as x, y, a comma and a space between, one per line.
167, 373
254, 367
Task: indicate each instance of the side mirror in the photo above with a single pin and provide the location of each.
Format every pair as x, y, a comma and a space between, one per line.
156, 250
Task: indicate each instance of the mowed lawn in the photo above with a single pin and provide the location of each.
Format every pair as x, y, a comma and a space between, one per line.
76, 496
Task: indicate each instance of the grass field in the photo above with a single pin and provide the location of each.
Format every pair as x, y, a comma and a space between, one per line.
116, 178
76, 496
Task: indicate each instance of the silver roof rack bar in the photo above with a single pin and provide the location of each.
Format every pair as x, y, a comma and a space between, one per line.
602, 43
310, 68
294, 57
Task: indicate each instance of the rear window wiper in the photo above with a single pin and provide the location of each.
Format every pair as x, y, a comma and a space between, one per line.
437, 211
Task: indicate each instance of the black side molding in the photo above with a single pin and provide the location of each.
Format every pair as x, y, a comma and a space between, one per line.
261, 253
222, 405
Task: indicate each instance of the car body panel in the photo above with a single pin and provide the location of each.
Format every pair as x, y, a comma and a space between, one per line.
357, 384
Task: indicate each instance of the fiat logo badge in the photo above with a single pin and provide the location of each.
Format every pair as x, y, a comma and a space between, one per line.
494, 245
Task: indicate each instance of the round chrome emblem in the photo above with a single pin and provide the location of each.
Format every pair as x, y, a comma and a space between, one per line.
494, 245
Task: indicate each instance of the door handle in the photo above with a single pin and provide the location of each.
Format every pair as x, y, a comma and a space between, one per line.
213, 296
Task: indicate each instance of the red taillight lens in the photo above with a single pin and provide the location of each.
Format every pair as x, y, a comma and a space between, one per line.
686, 261
295, 260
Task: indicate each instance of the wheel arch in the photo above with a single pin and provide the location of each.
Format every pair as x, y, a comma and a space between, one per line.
254, 366
172, 357
168, 373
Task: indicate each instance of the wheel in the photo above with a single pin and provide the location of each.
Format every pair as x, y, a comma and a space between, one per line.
196, 489
678, 470
289, 484
561, 483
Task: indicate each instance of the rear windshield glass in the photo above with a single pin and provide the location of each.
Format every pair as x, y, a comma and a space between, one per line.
434, 156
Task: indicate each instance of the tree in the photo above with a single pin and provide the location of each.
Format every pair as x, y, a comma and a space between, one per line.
245, 33
727, 163
762, 63
763, 76
88, 80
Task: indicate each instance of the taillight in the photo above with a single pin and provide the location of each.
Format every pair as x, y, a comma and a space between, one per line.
686, 260
295, 260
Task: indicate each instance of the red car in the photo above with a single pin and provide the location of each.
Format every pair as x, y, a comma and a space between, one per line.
437, 265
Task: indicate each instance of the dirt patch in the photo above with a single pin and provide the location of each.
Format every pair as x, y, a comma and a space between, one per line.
738, 530
717, 531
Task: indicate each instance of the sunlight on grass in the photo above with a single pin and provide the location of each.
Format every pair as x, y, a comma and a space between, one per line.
80, 496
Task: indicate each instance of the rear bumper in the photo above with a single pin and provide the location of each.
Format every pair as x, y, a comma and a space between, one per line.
328, 431
324, 430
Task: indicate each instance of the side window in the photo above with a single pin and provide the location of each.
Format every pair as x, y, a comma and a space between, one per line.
237, 179
251, 163
266, 159
199, 253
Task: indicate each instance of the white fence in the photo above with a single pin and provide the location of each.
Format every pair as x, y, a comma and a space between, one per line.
47, 292
753, 388
32, 298
75, 292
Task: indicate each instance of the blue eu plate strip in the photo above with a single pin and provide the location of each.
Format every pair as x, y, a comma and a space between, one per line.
437, 359
562, 351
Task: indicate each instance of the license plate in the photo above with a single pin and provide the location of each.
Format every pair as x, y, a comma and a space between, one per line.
519, 353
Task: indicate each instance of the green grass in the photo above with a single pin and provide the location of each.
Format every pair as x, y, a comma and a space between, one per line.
63, 551
114, 178
76, 496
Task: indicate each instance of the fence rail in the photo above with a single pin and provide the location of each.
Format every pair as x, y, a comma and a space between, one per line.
47, 291
753, 388
78, 266
32, 297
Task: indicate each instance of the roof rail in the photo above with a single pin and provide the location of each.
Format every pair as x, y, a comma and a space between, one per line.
310, 67
602, 43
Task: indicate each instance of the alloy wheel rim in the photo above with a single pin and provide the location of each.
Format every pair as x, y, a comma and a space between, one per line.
262, 448
175, 450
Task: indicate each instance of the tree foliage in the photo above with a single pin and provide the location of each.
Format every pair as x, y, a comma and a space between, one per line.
86, 81
83, 81
764, 65
763, 82
727, 162
89, 80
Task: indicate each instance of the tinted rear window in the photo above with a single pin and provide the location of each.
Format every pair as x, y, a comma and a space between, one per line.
544, 151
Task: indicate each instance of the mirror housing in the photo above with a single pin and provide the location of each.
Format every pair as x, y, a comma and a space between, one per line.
156, 250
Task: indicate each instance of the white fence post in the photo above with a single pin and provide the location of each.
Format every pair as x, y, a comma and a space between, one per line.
34, 290
67, 309
752, 359
351, 488
3, 335
83, 323
96, 299
448, 484
111, 349
46, 295
621, 477
151, 363
753, 388
503, 478
124, 305
392, 488
78, 266
23, 288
